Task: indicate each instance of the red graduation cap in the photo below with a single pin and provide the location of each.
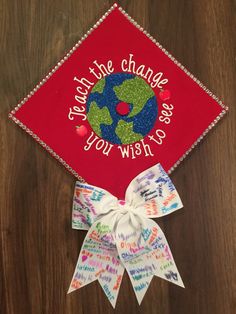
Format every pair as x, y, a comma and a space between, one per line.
117, 104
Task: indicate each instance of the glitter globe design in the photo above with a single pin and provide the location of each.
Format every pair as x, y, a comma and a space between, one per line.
122, 108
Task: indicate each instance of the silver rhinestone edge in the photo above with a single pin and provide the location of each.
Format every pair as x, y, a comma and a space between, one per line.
224, 107
48, 148
57, 66
173, 58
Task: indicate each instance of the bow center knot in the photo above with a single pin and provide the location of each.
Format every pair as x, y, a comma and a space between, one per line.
124, 208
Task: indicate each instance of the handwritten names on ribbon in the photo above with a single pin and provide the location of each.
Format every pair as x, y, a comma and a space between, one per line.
122, 236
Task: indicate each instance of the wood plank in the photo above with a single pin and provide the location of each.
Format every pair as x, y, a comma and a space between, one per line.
38, 247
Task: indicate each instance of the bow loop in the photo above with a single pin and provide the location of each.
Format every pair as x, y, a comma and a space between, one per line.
89, 203
153, 193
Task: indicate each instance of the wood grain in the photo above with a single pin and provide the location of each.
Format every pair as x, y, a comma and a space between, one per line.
38, 247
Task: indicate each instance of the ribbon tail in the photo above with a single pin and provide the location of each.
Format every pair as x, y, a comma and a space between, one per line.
85, 270
110, 280
112, 273
167, 269
132, 249
99, 260
172, 275
140, 280
163, 260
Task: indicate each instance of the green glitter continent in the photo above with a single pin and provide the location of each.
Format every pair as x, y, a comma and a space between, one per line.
97, 116
134, 91
124, 131
99, 87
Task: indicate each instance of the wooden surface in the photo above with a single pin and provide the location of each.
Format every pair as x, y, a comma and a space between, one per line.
38, 248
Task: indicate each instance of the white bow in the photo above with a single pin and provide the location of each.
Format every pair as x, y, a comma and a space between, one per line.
121, 234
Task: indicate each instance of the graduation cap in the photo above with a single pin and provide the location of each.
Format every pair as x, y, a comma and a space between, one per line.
116, 104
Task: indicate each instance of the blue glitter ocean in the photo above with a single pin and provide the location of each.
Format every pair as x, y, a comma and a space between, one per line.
102, 108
